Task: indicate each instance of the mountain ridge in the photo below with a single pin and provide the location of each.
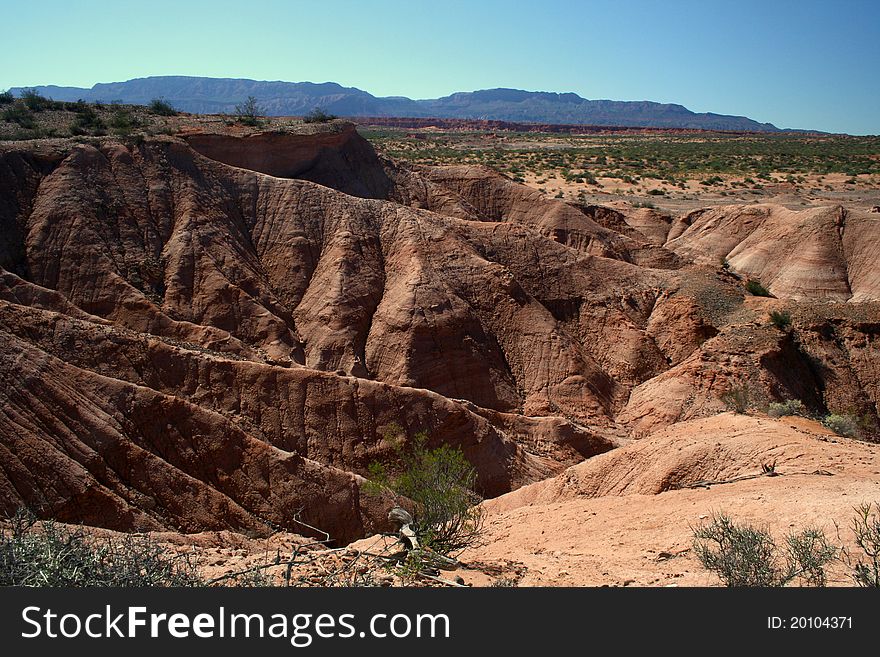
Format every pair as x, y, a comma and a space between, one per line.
279, 98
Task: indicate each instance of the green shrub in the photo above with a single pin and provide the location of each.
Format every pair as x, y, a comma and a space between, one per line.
781, 319
37, 102
56, 555
754, 287
6, 98
866, 527
20, 114
318, 115
440, 483
742, 555
842, 425
787, 408
123, 121
249, 112
162, 107
87, 121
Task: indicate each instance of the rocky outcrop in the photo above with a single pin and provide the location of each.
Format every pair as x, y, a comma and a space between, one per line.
628, 517
333, 155
217, 332
821, 253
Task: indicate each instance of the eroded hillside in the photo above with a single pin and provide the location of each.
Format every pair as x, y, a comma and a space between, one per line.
211, 331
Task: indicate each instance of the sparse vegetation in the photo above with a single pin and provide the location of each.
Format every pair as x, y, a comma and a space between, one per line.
6, 98
781, 319
162, 107
842, 425
123, 121
249, 112
754, 287
87, 121
36, 102
440, 482
787, 408
20, 114
746, 556
737, 161
738, 398
865, 567
50, 554
318, 115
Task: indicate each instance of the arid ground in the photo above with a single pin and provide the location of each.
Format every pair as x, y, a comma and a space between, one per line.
208, 329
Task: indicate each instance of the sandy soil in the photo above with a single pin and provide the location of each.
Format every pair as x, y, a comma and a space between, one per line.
816, 190
571, 532
626, 518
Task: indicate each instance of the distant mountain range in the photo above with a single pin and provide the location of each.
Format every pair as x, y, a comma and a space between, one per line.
221, 95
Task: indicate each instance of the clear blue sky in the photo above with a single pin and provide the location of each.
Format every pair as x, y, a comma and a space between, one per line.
798, 64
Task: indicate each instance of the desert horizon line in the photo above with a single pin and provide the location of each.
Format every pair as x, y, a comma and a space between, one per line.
505, 103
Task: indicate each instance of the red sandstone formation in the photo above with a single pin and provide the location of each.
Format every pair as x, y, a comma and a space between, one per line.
215, 332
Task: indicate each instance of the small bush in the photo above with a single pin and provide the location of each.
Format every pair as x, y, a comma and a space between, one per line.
742, 555
781, 319
318, 115
249, 112
6, 98
20, 114
754, 287
738, 398
866, 527
440, 482
87, 121
123, 121
162, 107
55, 555
787, 408
37, 102
842, 425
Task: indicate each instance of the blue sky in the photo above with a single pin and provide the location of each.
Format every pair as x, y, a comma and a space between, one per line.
797, 64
